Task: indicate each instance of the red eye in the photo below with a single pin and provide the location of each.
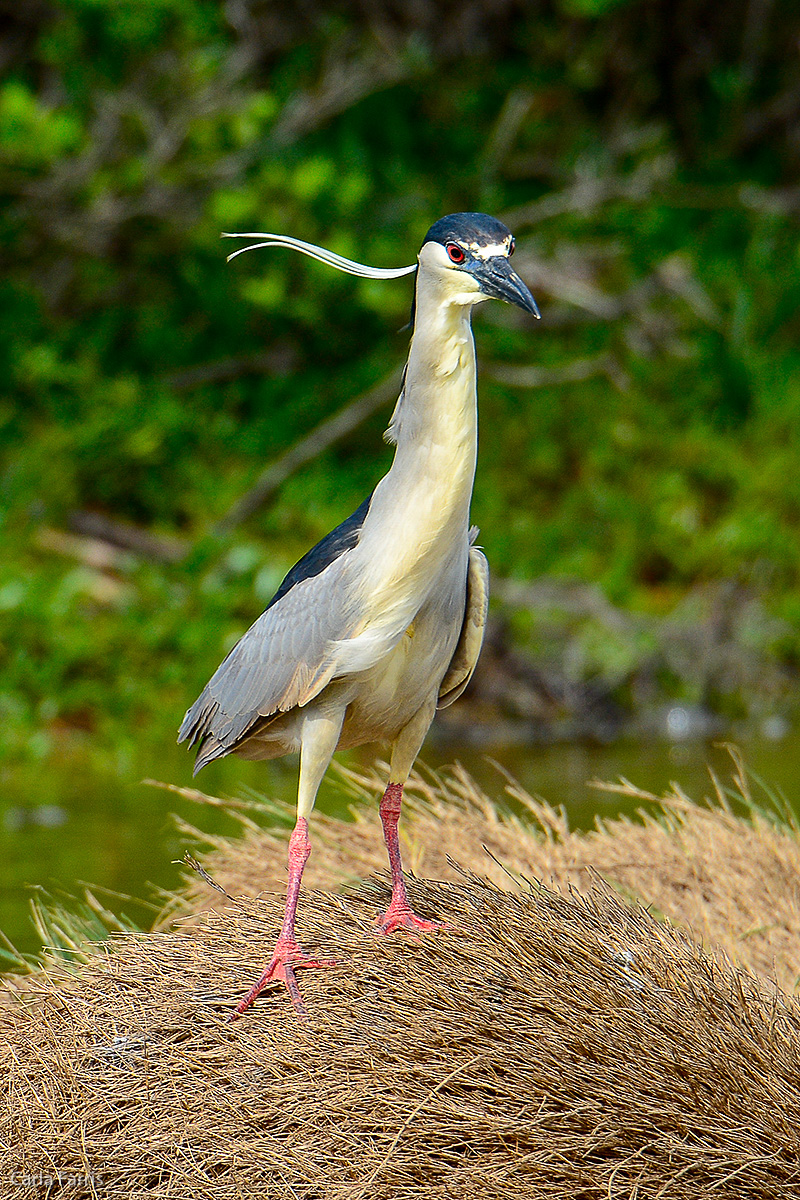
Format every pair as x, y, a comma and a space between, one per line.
512, 245
455, 253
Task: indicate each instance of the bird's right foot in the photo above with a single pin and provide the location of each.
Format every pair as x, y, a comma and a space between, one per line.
288, 957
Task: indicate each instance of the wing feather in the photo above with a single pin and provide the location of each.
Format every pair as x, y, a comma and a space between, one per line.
288, 655
469, 644
284, 660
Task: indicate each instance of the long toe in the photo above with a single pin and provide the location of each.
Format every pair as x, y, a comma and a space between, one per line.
289, 956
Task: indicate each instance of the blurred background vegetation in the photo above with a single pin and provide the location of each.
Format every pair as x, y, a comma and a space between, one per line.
638, 488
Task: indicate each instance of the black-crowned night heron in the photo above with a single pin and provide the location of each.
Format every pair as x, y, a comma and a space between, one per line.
382, 622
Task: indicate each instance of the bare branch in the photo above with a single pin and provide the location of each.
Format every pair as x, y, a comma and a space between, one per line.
313, 444
529, 376
275, 361
155, 547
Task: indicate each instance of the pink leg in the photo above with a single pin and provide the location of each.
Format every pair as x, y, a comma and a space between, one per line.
288, 955
398, 915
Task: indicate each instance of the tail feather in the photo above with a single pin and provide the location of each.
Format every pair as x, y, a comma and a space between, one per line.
210, 749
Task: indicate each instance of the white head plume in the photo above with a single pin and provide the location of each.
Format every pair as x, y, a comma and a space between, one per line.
326, 256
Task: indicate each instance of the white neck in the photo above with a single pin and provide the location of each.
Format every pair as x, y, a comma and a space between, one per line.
418, 519
435, 425
416, 532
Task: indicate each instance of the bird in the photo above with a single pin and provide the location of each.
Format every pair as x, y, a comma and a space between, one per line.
381, 623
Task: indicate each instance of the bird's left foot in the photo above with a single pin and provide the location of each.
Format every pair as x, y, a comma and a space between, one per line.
288, 957
400, 916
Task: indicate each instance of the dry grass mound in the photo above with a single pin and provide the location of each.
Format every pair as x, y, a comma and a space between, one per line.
732, 881
556, 1042
546, 1046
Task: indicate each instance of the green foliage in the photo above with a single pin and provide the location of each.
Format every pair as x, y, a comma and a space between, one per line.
144, 379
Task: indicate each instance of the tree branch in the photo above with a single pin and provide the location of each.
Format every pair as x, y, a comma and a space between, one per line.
308, 448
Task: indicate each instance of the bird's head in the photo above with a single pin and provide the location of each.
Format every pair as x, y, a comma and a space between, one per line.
467, 255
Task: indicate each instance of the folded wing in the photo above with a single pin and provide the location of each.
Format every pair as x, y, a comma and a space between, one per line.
469, 644
286, 657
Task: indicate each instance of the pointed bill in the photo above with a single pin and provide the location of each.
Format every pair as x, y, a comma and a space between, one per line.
497, 278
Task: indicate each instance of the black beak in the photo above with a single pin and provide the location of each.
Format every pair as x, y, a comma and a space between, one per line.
497, 279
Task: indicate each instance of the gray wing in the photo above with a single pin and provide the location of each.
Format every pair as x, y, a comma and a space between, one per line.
285, 658
466, 653
282, 661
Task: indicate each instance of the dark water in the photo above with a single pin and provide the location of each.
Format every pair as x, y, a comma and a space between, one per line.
79, 821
